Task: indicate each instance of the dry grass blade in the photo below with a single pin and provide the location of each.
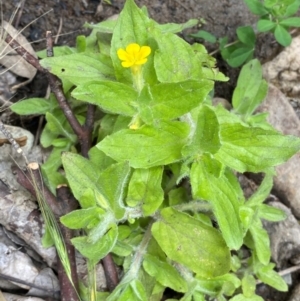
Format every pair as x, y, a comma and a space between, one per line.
8, 56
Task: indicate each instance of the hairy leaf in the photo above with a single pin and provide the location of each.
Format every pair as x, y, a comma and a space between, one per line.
147, 146
80, 67
145, 189
98, 250
254, 149
223, 194
167, 101
192, 243
112, 97
164, 273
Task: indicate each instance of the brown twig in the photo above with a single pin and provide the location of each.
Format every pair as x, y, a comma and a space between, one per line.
32, 181
88, 126
23, 52
39, 287
67, 203
19, 14
111, 274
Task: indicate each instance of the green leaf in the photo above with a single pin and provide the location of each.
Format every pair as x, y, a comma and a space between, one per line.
265, 25
34, 106
206, 136
88, 199
104, 42
246, 215
282, 36
251, 89
79, 68
61, 142
111, 184
137, 26
261, 241
205, 35
240, 56
177, 196
112, 97
145, 189
256, 7
293, 22
57, 127
270, 277
263, 191
248, 285
292, 9
147, 146
47, 137
254, 149
106, 26
225, 284
99, 229
175, 60
271, 213
241, 297
96, 251
198, 296
80, 173
100, 160
51, 176
164, 273
133, 291
82, 218
192, 243
175, 28
108, 184
167, 101
80, 43
213, 74
271, 3
223, 194
246, 35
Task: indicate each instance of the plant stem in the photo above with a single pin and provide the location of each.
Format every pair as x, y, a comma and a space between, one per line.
195, 206
138, 256
226, 46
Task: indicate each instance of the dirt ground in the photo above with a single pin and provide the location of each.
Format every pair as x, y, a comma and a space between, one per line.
66, 18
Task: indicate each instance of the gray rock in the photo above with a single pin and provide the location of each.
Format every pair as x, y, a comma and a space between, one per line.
284, 237
283, 118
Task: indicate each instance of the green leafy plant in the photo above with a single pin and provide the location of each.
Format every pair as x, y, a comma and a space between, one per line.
275, 16
158, 189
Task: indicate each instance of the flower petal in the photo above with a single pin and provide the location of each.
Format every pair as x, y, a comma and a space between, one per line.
133, 49
127, 64
133, 55
145, 51
122, 54
141, 62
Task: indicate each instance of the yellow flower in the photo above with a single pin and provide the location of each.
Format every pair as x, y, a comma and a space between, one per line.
134, 55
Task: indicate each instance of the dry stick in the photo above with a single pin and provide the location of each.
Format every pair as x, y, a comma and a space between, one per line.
10, 138
39, 287
19, 14
67, 203
83, 133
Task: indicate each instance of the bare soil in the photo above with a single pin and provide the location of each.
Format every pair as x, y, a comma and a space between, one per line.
67, 17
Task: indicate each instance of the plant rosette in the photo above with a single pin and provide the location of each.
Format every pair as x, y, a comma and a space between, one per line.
159, 189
